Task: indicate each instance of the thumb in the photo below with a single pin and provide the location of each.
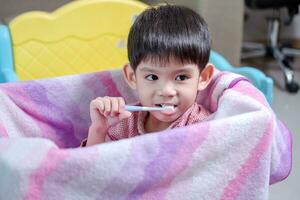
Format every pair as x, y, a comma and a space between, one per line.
114, 120
124, 115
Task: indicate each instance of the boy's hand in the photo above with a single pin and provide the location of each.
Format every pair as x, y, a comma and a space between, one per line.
111, 109
104, 112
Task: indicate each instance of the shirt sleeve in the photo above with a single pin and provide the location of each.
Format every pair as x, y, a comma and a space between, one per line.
118, 131
83, 142
124, 129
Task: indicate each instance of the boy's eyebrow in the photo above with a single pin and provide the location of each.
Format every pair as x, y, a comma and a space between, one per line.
186, 69
147, 69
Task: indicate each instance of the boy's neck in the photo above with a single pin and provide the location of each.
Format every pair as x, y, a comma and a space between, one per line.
151, 124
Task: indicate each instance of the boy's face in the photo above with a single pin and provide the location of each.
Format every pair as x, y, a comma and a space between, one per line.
174, 84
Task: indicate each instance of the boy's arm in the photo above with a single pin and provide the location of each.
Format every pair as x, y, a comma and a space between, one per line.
96, 135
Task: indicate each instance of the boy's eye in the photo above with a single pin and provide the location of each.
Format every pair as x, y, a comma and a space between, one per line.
151, 77
181, 78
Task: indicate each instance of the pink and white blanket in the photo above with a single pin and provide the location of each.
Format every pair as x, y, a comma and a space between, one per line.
235, 154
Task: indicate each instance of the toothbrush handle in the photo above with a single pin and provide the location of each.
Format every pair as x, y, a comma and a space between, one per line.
141, 108
133, 108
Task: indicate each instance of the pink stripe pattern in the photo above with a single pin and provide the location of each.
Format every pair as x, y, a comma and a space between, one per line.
235, 153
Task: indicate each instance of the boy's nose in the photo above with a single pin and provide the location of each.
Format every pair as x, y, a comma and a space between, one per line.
167, 90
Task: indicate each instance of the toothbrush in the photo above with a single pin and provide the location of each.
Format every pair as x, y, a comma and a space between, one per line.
145, 108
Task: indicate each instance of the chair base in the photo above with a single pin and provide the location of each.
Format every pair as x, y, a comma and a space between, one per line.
273, 49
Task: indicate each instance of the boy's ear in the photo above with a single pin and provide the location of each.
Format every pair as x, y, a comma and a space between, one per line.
129, 76
205, 76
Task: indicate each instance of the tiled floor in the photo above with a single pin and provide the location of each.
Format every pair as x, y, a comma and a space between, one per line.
287, 108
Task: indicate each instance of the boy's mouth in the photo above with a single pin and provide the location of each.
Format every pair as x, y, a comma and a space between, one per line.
170, 108
166, 105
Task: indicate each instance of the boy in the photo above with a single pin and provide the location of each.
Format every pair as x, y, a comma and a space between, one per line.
168, 51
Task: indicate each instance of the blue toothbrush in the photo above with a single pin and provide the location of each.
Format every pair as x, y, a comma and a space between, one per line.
145, 108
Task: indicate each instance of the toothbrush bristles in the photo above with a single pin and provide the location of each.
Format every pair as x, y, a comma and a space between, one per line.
171, 108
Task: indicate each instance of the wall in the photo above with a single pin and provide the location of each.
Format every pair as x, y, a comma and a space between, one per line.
225, 19
225, 25
11, 8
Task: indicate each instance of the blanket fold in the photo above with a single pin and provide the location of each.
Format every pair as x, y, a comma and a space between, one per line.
235, 154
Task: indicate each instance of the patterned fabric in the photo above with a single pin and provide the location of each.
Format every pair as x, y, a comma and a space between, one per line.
134, 125
235, 153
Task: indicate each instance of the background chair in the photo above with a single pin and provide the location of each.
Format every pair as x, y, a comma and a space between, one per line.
273, 48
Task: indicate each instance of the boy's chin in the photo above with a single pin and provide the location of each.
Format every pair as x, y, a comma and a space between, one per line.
165, 117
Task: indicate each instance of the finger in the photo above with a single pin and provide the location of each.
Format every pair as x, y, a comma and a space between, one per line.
101, 103
94, 104
124, 115
100, 106
114, 107
97, 104
107, 106
95, 110
121, 104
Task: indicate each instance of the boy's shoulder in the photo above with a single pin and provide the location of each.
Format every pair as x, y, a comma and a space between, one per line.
196, 113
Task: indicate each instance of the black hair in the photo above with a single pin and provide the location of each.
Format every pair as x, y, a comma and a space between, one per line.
169, 31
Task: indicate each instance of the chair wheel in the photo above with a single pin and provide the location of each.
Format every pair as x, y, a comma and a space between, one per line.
292, 87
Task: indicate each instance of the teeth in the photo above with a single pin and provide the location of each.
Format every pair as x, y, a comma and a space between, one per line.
164, 105
168, 107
